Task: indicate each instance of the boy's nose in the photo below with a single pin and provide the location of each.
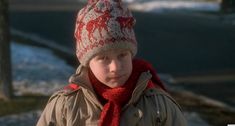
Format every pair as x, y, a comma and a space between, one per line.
115, 66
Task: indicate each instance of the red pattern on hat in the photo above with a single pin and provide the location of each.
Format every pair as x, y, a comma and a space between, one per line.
99, 23
126, 22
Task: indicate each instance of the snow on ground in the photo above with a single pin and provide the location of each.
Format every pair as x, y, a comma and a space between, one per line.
172, 5
37, 70
182, 6
165, 6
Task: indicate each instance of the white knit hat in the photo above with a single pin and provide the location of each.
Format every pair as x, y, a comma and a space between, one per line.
103, 25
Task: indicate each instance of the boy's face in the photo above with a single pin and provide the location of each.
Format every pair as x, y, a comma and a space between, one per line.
113, 67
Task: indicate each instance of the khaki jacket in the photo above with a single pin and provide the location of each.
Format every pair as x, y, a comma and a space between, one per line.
151, 107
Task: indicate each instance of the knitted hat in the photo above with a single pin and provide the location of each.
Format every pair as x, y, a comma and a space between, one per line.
103, 25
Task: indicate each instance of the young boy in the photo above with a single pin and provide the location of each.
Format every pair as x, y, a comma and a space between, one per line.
110, 87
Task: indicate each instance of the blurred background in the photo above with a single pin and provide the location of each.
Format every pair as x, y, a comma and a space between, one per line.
191, 43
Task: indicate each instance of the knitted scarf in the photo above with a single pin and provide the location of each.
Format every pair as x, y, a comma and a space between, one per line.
114, 99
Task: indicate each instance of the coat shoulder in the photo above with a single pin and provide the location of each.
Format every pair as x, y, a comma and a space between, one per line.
68, 90
55, 110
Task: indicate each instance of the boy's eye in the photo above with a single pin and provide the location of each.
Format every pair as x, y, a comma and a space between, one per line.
123, 54
102, 58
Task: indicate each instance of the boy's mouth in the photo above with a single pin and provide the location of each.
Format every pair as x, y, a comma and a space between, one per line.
116, 77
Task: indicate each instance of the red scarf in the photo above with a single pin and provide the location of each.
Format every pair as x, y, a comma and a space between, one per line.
115, 98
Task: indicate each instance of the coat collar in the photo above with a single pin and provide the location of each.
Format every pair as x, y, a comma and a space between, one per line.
81, 78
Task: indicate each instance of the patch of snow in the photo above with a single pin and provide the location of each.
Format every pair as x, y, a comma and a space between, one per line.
162, 6
37, 70
40, 40
172, 5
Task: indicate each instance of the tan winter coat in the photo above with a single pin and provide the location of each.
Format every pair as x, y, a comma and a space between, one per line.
152, 107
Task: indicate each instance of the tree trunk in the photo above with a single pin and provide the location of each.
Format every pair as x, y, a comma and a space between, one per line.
228, 5
5, 57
